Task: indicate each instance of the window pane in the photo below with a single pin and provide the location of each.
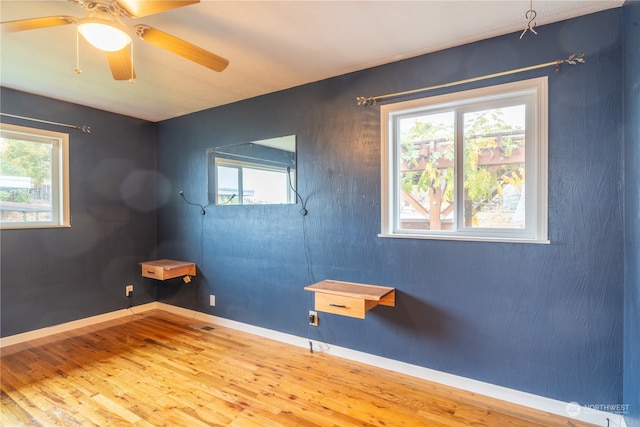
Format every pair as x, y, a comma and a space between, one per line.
494, 168
25, 181
263, 186
426, 172
228, 185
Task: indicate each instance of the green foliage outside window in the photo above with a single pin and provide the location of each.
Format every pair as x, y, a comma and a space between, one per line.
24, 159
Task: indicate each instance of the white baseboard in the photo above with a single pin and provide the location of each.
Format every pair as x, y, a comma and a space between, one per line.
565, 409
70, 326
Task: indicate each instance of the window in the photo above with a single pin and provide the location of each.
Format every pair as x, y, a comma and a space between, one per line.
34, 183
246, 183
470, 165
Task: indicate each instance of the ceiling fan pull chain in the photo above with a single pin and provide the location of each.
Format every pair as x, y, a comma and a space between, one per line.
132, 78
77, 70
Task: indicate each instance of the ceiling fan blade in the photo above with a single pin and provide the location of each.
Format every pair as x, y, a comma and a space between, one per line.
35, 23
138, 8
120, 64
181, 47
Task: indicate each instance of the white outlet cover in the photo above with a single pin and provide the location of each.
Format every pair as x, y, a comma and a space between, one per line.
212, 300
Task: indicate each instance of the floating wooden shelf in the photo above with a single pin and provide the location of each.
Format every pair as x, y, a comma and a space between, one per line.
164, 269
350, 299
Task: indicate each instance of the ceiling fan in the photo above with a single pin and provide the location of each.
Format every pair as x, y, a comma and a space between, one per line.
103, 28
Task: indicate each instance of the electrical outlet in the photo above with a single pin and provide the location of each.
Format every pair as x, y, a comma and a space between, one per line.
128, 290
313, 318
212, 300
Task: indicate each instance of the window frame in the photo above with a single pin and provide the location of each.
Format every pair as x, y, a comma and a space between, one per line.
536, 162
60, 204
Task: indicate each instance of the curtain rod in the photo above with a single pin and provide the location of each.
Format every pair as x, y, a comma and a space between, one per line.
85, 129
373, 100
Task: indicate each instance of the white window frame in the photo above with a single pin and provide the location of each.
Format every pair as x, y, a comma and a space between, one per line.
60, 216
536, 211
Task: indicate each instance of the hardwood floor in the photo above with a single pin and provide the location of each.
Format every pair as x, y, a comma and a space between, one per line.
155, 369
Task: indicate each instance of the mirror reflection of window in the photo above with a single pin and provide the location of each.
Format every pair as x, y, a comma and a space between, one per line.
259, 172
252, 184
268, 186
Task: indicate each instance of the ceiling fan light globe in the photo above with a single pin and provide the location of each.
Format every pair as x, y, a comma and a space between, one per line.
104, 35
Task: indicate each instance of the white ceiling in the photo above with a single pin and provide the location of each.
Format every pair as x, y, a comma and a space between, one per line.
271, 45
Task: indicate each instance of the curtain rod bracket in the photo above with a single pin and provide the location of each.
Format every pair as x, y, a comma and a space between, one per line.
366, 101
573, 59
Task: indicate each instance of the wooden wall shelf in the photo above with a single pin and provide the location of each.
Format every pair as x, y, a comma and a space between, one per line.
164, 269
350, 299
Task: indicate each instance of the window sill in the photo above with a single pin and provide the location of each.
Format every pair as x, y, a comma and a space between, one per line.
464, 238
5, 227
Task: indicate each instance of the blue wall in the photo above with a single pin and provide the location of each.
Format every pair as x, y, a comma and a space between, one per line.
632, 212
544, 319
52, 276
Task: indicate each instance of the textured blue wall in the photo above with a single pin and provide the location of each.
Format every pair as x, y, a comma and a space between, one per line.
632, 212
544, 319
52, 276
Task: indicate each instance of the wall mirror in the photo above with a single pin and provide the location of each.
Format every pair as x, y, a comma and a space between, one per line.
253, 173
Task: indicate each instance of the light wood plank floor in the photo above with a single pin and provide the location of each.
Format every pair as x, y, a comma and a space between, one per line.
155, 369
